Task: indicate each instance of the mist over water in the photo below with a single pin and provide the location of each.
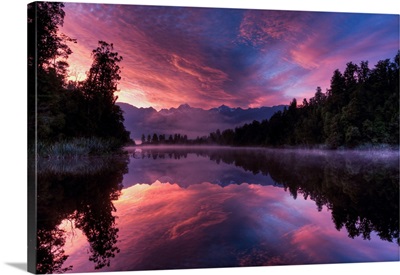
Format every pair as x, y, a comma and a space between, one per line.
151, 163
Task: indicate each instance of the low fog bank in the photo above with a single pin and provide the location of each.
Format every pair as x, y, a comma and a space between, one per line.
371, 152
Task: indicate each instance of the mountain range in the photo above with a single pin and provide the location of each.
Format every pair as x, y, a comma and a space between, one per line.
190, 121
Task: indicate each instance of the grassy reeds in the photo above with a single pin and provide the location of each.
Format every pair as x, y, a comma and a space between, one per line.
77, 147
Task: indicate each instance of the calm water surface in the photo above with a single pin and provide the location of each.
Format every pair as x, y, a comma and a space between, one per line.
164, 208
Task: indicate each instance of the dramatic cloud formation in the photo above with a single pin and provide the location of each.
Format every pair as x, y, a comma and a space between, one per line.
240, 58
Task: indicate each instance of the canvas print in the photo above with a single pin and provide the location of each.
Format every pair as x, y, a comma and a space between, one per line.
182, 137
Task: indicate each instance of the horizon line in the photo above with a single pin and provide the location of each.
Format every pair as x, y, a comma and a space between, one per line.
193, 107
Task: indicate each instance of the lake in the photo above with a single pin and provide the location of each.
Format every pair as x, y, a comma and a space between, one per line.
195, 207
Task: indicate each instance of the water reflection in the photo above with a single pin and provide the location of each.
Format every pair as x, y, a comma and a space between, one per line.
164, 226
208, 207
361, 189
80, 192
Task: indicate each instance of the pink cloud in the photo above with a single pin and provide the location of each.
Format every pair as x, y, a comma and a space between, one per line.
210, 57
163, 78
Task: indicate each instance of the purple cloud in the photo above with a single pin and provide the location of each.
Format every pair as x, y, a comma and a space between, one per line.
209, 57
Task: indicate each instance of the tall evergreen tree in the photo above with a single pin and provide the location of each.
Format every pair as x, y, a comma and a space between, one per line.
47, 52
99, 90
361, 107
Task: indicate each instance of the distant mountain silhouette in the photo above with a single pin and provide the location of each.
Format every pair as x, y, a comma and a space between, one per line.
188, 120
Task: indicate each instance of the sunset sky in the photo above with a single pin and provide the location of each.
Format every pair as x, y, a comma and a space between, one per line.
240, 58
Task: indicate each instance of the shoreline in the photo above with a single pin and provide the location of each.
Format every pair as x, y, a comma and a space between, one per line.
366, 148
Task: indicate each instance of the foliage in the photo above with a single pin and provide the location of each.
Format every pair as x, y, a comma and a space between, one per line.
157, 139
45, 43
61, 111
92, 101
47, 52
77, 147
82, 197
50, 251
360, 108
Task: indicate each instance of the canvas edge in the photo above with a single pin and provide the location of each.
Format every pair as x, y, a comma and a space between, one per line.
32, 156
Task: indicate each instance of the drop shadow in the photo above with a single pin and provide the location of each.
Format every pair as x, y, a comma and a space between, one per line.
20, 266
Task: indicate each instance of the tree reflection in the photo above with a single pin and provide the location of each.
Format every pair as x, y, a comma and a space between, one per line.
81, 191
50, 252
360, 190
362, 194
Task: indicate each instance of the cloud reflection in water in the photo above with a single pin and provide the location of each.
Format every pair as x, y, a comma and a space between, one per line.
164, 226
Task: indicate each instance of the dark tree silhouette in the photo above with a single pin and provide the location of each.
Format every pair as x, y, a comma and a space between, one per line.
50, 251
83, 195
47, 52
98, 90
154, 139
45, 45
46, 65
59, 111
103, 76
361, 108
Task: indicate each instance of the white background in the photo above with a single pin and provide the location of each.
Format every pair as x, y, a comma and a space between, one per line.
13, 240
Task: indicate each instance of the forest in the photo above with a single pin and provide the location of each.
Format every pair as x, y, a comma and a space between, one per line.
361, 108
70, 117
